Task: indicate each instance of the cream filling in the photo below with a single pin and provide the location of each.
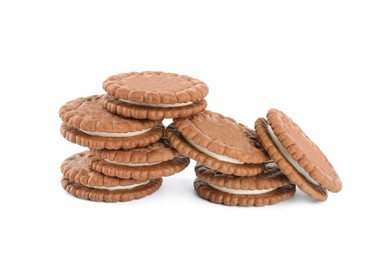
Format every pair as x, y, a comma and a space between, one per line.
289, 158
132, 164
214, 155
106, 134
129, 187
155, 105
240, 192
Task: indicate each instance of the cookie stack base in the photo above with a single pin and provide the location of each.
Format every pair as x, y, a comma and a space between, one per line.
83, 182
208, 193
87, 193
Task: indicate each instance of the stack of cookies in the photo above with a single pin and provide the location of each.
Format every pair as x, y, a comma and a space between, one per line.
128, 153
130, 150
233, 168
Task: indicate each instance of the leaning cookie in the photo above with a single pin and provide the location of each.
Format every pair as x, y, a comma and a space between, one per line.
87, 123
154, 161
267, 188
154, 95
219, 143
81, 181
297, 156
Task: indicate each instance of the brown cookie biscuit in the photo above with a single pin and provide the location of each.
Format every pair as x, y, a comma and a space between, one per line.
87, 123
222, 136
154, 95
81, 181
182, 146
267, 188
297, 156
145, 172
122, 108
87, 193
154, 153
218, 142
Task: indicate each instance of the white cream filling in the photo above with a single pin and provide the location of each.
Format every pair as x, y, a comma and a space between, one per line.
106, 134
132, 164
156, 105
288, 156
214, 155
241, 192
129, 187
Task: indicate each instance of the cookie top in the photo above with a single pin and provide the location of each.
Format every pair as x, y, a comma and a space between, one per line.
154, 87
271, 178
186, 149
160, 151
76, 169
222, 137
87, 114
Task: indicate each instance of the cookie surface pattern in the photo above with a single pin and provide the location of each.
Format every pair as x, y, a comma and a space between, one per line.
155, 87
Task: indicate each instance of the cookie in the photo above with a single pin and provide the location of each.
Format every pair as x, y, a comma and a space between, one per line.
163, 169
81, 181
87, 123
267, 188
154, 161
297, 156
219, 143
154, 95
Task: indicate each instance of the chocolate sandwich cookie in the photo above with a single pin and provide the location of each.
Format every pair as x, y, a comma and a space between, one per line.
81, 181
219, 143
154, 161
154, 95
87, 123
297, 155
267, 188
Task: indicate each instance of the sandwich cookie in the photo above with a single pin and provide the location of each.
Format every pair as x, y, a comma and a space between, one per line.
267, 188
81, 181
297, 156
154, 161
87, 123
154, 95
219, 143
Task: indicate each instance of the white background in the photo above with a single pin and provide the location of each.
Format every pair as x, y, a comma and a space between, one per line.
324, 63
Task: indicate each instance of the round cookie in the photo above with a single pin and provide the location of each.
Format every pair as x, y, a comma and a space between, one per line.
152, 171
79, 180
154, 153
267, 188
87, 123
297, 156
154, 95
218, 142
124, 109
